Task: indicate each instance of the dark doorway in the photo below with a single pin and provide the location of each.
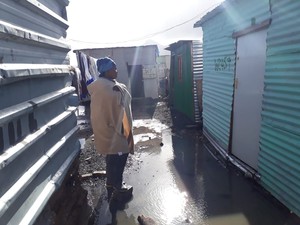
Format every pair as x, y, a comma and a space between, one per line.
136, 80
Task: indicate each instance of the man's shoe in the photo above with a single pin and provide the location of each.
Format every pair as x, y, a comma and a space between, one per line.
126, 189
123, 194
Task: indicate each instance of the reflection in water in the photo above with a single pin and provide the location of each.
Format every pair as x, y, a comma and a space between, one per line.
183, 184
231, 219
173, 203
184, 154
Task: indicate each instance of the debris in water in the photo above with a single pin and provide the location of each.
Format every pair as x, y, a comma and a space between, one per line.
86, 176
99, 173
143, 220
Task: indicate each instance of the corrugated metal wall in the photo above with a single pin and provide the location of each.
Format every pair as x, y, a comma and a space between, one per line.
124, 56
279, 156
182, 79
197, 54
38, 125
218, 80
219, 52
280, 133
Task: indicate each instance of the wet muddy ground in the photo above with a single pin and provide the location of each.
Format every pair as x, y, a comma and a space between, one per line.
176, 179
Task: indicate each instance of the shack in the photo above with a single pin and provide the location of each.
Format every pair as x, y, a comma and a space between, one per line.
185, 79
137, 67
251, 91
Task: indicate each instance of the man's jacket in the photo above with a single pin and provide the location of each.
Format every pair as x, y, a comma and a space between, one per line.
111, 116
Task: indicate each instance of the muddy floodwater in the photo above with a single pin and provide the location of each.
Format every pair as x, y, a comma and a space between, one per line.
176, 180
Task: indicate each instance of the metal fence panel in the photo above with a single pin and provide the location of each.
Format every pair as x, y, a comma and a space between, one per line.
38, 125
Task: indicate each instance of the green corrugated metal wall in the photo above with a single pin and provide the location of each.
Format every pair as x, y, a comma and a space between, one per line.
183, 97
279, 161
219, 49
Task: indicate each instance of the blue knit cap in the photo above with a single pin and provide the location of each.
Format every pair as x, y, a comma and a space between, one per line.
105, 64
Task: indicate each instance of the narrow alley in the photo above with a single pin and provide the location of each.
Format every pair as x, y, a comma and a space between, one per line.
215, 88
177, 180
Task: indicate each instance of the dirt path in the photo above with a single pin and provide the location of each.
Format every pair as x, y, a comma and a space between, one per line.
92, 164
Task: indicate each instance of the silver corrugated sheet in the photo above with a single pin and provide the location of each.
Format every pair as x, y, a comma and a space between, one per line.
19, 45
34, 16
38, 125
197, 57
280, 133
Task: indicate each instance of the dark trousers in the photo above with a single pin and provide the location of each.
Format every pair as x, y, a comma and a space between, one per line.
115, 165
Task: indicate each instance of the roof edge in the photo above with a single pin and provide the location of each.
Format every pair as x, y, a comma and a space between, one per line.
220, 8
116, 47
178, 43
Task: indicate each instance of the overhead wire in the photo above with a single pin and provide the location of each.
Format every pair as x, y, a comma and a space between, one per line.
152, 34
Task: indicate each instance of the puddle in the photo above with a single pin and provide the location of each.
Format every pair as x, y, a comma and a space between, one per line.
176, 181
150, 124
144, 137
159, 192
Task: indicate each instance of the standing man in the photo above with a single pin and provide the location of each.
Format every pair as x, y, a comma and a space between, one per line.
111, 120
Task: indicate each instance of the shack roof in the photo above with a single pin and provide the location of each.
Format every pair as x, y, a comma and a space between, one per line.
119, 47
177, 44
213, 13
